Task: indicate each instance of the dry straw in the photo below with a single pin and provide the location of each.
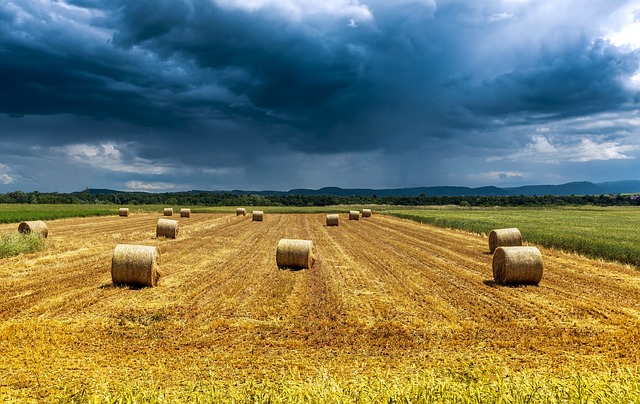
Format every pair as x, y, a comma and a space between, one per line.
257, 215
504, 238
294, 254
333, 219
354, 215
135, 265
185, 212
168, 211
167, 228
241, 211
366, 212
517, 266
123, 212
35, 227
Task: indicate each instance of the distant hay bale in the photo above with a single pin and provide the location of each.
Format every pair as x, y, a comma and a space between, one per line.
366, 212
168, 211
35, 227
167, 228
123, 212
333, 219
185, 212
504, 238
257, 215
517, 266
241, 211
294, 253
135, 265
354, 215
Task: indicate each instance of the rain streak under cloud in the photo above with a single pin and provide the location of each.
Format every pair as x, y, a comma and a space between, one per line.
278, 94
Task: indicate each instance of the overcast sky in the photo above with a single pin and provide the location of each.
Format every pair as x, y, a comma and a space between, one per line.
169, 95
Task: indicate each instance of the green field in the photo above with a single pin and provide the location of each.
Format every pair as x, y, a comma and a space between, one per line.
607, 233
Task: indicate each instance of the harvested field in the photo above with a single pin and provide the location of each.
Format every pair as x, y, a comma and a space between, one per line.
385, 296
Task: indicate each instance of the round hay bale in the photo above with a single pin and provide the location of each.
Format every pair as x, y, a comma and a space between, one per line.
517, 266
504, 238
294, 253
167, 228
36, 227
257, 215
123, 212
168, 211
354, 215
333, 219
366, 212
241, 211
135, 265
185, 212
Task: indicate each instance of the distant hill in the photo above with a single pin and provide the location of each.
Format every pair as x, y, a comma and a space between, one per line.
571, 188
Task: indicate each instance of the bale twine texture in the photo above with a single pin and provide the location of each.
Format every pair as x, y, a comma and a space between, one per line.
354, 215
257, 215
294, 254
185, 212
36, 227
168, 211
135, 265
504, 238
167, 228
333, 220
366, 212
517, 266
123, 212
241, 211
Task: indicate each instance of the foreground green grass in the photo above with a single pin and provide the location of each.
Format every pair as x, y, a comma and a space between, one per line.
474, 386
12, 244
607, 233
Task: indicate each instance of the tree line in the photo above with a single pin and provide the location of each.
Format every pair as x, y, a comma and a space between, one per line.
230, 199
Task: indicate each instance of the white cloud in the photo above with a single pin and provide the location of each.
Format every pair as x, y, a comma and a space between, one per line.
108, 156
541, 150
152, 186
300, 9
5, 176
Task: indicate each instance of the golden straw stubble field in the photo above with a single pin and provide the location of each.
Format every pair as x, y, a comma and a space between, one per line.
385, 296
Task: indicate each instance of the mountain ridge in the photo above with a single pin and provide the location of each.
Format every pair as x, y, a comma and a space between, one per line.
570, 188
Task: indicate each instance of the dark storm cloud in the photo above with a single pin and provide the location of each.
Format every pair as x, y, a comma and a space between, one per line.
255, 85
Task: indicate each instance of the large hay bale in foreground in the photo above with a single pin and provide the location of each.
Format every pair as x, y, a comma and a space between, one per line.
257, 215
135, 265
167, 228
366, 212
168, 211
354, 215
123, 212
185, 212
333, 219
294, 253
517, 266
241, 211
35, 227
504, 238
